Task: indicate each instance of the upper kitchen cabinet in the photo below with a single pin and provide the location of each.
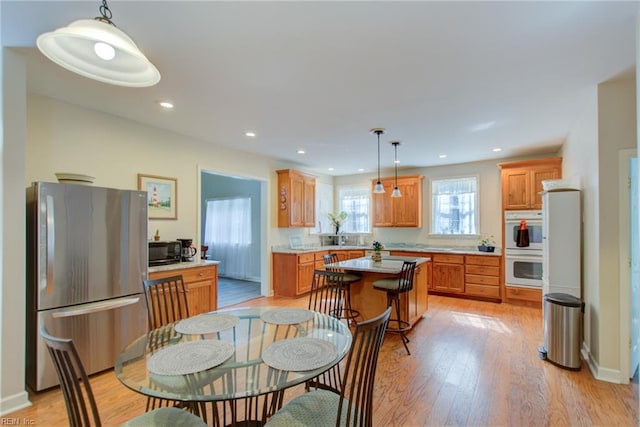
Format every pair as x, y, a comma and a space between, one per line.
405, 211
522, 182
296, 199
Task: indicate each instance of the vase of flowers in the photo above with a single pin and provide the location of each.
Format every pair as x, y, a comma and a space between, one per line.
337, 220
486, 244
376, 256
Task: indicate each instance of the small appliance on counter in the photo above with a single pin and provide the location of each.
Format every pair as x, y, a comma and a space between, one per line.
164, 253
188, 250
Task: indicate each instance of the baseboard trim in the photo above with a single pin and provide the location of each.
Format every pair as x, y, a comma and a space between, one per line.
14, 403
598, 372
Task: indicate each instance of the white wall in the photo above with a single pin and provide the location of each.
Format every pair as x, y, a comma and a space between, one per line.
12, 235
606, 125
616, 131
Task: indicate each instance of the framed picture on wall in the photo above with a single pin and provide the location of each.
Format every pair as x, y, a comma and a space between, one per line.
162, 196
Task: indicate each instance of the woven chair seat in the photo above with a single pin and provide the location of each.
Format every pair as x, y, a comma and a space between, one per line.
315, 408
165, 417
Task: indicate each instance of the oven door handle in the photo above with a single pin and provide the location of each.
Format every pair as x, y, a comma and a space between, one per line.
525, 257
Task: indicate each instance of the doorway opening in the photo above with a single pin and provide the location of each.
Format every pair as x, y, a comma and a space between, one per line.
231, 226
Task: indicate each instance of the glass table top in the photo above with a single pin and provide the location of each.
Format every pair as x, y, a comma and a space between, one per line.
244, 373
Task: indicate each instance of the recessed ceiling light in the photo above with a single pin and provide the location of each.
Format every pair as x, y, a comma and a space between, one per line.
361, 170
497, 149
167, 105
300, 151
331, 169
250, 134
443, 156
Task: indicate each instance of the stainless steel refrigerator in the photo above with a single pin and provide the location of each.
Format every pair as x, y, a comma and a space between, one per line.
86, 260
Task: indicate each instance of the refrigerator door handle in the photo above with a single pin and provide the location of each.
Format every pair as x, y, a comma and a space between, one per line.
95, 307
51, 241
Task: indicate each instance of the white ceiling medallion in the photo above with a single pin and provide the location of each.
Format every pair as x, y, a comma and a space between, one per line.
97, 49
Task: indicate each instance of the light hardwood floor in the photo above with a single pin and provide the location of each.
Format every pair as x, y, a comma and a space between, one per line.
472, 363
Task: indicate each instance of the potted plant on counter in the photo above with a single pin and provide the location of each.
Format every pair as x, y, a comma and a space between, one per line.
376, 256
337, 219
486, 244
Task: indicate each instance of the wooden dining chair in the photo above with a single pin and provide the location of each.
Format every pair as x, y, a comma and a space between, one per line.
353, 405
166, 301
80, 401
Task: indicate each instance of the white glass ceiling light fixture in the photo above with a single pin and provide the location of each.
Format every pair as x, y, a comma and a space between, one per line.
378, 189
97, 49
396, 191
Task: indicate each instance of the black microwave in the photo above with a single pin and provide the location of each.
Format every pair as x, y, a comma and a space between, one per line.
163, 253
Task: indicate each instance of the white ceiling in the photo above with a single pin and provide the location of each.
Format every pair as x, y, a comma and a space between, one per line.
319, 75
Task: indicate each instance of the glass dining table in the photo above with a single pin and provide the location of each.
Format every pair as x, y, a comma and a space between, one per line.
233, 356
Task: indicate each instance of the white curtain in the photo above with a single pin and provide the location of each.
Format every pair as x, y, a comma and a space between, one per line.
356, 202
454, 206
227, 232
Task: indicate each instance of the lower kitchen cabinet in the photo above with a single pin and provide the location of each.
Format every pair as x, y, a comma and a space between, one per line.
448, 273
472, 276
482, 276
523, 296
293, 273
201, 283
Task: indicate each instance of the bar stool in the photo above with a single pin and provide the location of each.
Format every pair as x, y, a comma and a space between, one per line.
346, 311
394, 286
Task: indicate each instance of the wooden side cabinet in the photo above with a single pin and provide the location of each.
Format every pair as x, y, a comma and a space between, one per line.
522, 182
296, 199
405, 211
201, 284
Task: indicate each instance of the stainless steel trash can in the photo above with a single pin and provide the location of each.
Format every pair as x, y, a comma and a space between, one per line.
562, 330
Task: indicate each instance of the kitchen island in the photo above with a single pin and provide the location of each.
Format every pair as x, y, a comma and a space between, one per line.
370, 302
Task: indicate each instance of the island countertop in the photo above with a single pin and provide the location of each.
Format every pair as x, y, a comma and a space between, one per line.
389, 264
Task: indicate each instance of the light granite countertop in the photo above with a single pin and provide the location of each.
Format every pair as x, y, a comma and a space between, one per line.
462, 250
389, 264
179, 265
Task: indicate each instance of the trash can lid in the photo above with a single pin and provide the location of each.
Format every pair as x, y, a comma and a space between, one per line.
563, 299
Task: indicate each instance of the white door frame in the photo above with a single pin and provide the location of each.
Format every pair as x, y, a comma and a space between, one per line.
623, 250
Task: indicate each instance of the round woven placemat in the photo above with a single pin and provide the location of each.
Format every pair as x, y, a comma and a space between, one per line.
299, 354
189, 357
287, 316
206, 323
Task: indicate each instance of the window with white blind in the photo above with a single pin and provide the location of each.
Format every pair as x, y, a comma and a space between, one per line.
356, 202
454, 206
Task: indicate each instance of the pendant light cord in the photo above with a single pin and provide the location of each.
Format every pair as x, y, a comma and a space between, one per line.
106, 13
378, 132
395, 160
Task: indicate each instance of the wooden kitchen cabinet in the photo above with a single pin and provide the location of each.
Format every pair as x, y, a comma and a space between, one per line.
201, 284
447, 273
522, 182
483, 276
296, 199
405, 211
293, 273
